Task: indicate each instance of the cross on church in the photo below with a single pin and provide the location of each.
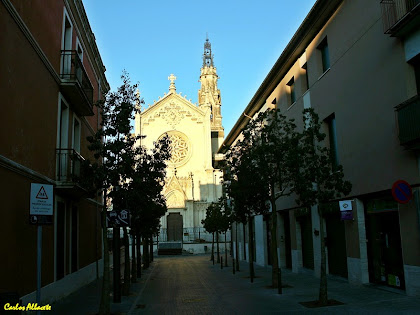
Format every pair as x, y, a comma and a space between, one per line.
172, 78
172, 87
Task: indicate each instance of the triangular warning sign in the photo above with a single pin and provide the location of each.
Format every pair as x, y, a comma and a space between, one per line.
42, 194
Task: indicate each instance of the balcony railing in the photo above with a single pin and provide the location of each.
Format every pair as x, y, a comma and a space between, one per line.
409, 122
396, 13
68, 166
75, 83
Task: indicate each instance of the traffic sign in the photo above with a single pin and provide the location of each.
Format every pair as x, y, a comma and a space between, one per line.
118, 218
401, 191
41, 202
41, 219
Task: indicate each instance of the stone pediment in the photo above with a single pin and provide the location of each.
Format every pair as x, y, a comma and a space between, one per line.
173, 108
177, 183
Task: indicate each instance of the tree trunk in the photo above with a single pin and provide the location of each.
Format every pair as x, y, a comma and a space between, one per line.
104, 307
151, 248
236, 247
126, 287
145, 252
217, 242
323, 290
243, 227
276, 271
212, 249
133, 259
226, 262
116, 260
251, 249
138, 255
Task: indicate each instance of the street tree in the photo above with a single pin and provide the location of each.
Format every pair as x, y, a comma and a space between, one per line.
318, 180
268, 152
144, 196
112, 146
210, 223
248, 191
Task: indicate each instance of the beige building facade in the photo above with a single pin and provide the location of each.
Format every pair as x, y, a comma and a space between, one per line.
195, 133
357, 63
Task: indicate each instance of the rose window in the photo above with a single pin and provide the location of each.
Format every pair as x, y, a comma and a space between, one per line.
180, 148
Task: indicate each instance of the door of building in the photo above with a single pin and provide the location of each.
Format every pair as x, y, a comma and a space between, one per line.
174, 227
287, 240
384, 249
336, 245
307, 245
60, 240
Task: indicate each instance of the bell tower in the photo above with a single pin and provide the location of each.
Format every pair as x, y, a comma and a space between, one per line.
209, 96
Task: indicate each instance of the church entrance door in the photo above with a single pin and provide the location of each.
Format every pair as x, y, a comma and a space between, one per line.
174, 227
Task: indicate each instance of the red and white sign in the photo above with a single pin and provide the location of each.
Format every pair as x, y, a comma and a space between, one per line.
401, 191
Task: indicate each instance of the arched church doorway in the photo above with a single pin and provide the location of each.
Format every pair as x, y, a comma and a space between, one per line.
174, 226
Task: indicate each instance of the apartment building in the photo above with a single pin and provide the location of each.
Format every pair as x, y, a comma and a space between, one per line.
357, 64
51, 75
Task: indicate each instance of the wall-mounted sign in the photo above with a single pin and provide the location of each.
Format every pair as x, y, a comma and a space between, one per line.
345, 205
346, 210
401, 191
41, 199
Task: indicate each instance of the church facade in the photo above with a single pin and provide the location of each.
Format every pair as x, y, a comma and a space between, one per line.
196, 132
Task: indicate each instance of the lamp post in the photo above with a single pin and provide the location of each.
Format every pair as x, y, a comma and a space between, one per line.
191, 175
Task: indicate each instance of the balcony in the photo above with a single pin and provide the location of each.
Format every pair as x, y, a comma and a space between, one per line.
400, 16
409, 123
75, 84
69, 172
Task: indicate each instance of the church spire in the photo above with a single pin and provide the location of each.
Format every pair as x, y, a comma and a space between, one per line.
207, 56
209, 94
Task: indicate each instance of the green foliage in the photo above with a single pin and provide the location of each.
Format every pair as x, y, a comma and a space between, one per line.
144, 196
113, 144
261, 166
218, 217
316, 181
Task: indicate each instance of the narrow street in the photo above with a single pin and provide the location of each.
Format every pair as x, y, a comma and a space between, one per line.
193, 285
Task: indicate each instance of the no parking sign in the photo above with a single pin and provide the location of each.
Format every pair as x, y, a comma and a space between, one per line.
401, 191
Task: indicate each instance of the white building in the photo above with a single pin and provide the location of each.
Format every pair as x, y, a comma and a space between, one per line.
196, 133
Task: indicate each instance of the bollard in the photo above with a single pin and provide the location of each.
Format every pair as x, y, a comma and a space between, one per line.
221, 262
233, 265
279, 288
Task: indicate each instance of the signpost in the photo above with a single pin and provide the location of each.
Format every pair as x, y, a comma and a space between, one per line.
116, 220
346, 210
401, 191
40, 212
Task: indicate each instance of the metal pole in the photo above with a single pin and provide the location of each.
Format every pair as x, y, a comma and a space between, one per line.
39, 260
117, 264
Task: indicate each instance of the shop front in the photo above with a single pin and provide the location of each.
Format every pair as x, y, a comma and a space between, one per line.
384, 243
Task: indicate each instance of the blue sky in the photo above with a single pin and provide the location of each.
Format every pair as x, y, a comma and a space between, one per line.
152, 39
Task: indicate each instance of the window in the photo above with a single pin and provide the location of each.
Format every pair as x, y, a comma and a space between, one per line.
333, 140
416, 65
76, 134
305, 68
66, 43
291, 85
325, 54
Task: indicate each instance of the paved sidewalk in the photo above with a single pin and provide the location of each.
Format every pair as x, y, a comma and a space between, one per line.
193, 285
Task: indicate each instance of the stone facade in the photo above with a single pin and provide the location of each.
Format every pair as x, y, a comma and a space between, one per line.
196, 133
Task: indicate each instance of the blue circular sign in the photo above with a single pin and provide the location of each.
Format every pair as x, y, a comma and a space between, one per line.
401, 191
